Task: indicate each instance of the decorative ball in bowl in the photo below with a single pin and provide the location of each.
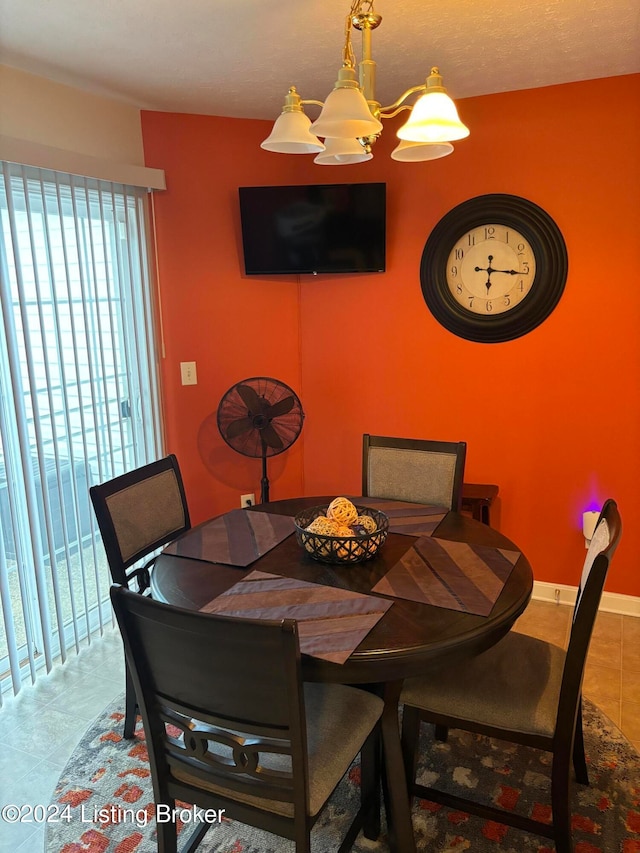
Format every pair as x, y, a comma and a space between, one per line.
341, 532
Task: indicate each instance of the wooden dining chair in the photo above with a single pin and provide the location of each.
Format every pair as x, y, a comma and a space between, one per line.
228, 728
522, 690
411, 469
137, 513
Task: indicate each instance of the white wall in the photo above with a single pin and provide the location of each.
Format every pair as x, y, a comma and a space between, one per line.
39, 110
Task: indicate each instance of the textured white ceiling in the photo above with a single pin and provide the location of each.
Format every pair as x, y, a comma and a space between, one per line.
238, 57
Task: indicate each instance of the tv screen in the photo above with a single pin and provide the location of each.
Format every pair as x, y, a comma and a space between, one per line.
325, 228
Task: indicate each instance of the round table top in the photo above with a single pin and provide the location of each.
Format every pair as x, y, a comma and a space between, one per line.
409, 636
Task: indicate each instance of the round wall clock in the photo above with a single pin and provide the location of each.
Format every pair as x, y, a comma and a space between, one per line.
493, 268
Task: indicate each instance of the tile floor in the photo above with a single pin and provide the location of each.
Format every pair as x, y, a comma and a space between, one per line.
40, 728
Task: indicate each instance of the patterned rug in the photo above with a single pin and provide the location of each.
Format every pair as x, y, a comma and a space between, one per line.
105, 798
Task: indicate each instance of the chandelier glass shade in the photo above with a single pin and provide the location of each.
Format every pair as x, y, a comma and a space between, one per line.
434, 117
341, 152
351, 118
345, 112
291, 135
417, 152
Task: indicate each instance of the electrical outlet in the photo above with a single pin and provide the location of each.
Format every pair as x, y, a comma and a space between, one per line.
188, 373
247, 500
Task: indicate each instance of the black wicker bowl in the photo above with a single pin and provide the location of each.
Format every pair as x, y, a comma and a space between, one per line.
341, 549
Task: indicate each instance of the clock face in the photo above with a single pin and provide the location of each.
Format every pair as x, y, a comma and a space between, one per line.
493, 268
490, 269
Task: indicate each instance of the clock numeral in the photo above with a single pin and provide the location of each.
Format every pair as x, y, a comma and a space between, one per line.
489, 305
470, 298
520, 248
507, 301
472, 239
490, 233
454, 271
458, 288
525, 265
521, 286
459, 254
506, 236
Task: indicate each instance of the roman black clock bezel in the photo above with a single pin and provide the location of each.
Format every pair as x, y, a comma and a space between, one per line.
549, 249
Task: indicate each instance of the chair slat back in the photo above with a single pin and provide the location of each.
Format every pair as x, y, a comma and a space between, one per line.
596, 566
139, 512
221, 697
415, 470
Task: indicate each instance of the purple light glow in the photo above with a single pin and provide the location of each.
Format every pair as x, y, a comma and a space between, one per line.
591, 506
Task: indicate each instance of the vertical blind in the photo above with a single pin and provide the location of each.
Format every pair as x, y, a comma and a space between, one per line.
78, 400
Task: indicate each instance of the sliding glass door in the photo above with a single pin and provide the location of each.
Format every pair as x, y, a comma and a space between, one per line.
78, 399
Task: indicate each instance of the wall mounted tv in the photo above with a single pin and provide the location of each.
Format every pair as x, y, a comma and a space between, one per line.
324, 228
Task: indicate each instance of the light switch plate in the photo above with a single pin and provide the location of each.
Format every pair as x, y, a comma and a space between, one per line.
188, 373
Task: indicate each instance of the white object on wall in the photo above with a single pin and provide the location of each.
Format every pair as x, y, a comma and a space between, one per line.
589, 520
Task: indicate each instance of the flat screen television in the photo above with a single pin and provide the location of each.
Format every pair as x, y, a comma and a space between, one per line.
323, 228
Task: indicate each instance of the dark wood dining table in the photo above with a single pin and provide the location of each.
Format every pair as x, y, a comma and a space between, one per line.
408, 638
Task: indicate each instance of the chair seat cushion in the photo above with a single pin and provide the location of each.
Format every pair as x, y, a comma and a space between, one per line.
515, 686
339, 720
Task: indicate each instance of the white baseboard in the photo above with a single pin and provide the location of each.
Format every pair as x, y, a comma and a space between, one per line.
612, 602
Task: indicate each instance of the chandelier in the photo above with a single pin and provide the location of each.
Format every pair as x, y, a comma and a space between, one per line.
350, 120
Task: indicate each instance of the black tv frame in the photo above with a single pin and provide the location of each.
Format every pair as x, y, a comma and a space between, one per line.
344, 234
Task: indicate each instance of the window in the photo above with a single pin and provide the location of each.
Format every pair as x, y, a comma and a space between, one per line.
78, 399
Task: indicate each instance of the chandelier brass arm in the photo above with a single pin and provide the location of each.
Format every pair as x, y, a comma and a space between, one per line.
399, 105
311, 101
350, 117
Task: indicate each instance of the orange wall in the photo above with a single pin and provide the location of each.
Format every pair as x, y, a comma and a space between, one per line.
552, 417
231, 326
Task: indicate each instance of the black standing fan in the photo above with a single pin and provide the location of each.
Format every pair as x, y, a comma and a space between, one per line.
260, 417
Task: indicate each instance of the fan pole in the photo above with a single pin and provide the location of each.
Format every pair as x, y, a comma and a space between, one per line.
264, 483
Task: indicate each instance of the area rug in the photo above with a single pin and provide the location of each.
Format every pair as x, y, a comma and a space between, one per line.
105, 803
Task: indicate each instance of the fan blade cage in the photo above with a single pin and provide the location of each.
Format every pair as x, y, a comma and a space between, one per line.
260, 417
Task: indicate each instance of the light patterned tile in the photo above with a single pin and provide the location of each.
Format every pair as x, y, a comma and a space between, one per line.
631, 643
601, 682
631, 628
608, 627
606, 647
88, 696
610, 707
34, 789
33, 843
630, 720
44, 731
105, 655
16, 709
50, 685
546, 621
15, 763
631, 686
59, 755
22, 837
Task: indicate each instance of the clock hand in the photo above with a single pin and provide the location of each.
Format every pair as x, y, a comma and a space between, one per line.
489, 269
